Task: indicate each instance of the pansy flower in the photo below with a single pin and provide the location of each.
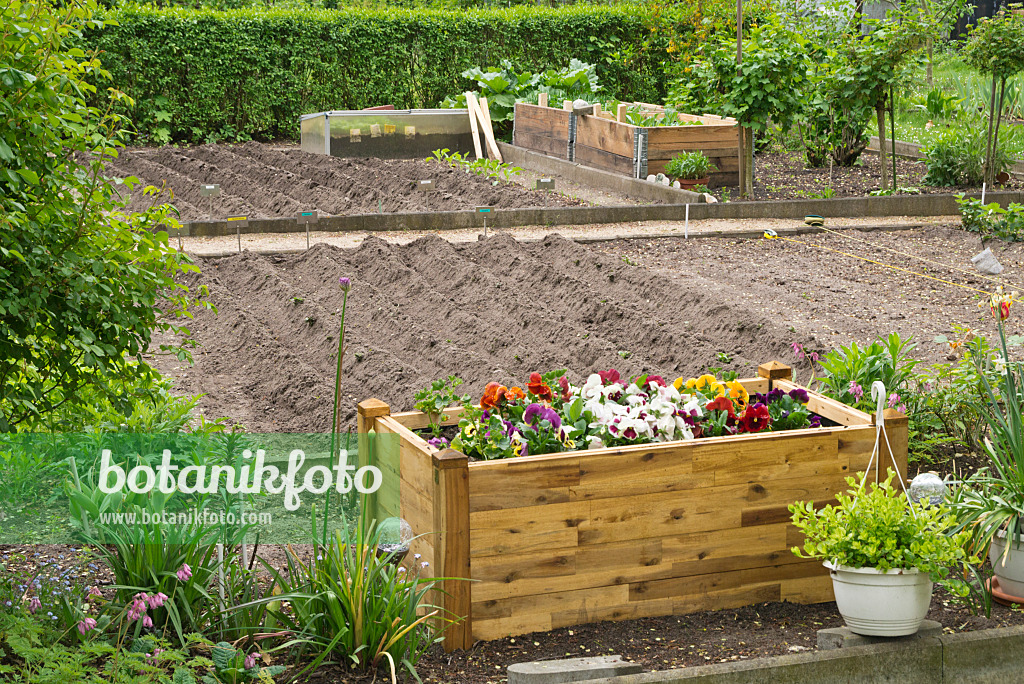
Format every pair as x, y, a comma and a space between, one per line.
538, 388
755, 418
722, 404
563, 383
514, 394
609, 377
738, 393
494, 393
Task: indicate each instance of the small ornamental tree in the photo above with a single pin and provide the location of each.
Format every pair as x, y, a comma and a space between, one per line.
765, 88
996, 47
84, 283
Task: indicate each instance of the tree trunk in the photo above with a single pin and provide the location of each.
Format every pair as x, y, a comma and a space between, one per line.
928, 67
748, 165
892, 130
741, 160
882, 158
995, 134
988, 146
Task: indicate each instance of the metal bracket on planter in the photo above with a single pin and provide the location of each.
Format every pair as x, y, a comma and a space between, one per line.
640, 153
571, 154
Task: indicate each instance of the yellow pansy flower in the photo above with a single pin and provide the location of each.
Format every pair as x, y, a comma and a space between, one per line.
738, 393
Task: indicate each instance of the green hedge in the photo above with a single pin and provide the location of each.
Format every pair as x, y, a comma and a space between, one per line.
252, 72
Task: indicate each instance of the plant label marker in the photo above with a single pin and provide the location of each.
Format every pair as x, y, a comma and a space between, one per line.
485, 212
211, 191
427, 187
240, 222
306, 218
547, 184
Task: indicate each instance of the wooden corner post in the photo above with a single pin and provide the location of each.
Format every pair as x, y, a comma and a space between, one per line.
451, 548
773, 370
367, 413
897, 433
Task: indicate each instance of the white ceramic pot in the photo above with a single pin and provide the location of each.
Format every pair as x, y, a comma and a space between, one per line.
876, 603
1011, 572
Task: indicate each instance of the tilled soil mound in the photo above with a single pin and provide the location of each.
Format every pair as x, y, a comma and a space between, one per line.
260, 181
492, 310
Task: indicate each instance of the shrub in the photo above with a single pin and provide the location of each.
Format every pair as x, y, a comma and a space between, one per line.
850, 370
957, 158
85, 284
991, 220
689, 165
253, 72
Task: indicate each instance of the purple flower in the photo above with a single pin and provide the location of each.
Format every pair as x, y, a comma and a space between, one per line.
815, 421
799, 395
438, 442
34, 604
250, 660
147, 622
856, 390
535, 413
184, 573
894, 399
798, 350
95, 591
86, 625
345, 283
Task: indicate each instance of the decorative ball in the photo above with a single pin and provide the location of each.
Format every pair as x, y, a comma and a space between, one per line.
927, 486
395, 533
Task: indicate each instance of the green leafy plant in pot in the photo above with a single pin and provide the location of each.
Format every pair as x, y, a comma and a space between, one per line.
690, 168
990, 503
883, 554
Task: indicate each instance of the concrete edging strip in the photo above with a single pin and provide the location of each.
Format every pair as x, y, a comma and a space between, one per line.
913, 205
982, 657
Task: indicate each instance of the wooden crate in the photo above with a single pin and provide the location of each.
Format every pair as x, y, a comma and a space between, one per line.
619, 533
624, 148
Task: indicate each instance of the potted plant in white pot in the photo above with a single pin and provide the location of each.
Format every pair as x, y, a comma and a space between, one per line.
690, 169
883, 553
990, 502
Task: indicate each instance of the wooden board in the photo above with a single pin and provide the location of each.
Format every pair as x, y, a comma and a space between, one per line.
545, 145
607, 136
474, 117
546, 121
604, 160
693, 135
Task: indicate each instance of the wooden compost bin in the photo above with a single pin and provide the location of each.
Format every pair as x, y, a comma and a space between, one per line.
619, 533
619, 147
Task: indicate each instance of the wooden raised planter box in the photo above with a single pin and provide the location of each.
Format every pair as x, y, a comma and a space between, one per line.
618, 533
623, 148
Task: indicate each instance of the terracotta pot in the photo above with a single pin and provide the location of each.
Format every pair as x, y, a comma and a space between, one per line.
690, 183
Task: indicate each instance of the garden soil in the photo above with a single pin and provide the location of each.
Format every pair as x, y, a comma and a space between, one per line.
262, 181
497, 309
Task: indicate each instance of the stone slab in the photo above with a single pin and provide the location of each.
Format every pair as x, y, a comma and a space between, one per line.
842, 637
570, 670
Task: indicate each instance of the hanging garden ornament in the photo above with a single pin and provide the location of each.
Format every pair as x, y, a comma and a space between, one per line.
927, 486
394, 537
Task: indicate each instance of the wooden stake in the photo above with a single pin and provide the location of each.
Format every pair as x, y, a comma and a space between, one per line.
485, 120
471, 106
567, 105
620, 112
542, 100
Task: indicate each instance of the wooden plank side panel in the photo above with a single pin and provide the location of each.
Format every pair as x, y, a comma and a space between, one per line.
663, 136
518, 484
600, 159
533, 115
725, 165
521, 530
829, 408
552, 147
608, 136
714, 150
806, 455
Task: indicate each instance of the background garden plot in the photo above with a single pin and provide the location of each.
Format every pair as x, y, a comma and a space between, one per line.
498, 309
